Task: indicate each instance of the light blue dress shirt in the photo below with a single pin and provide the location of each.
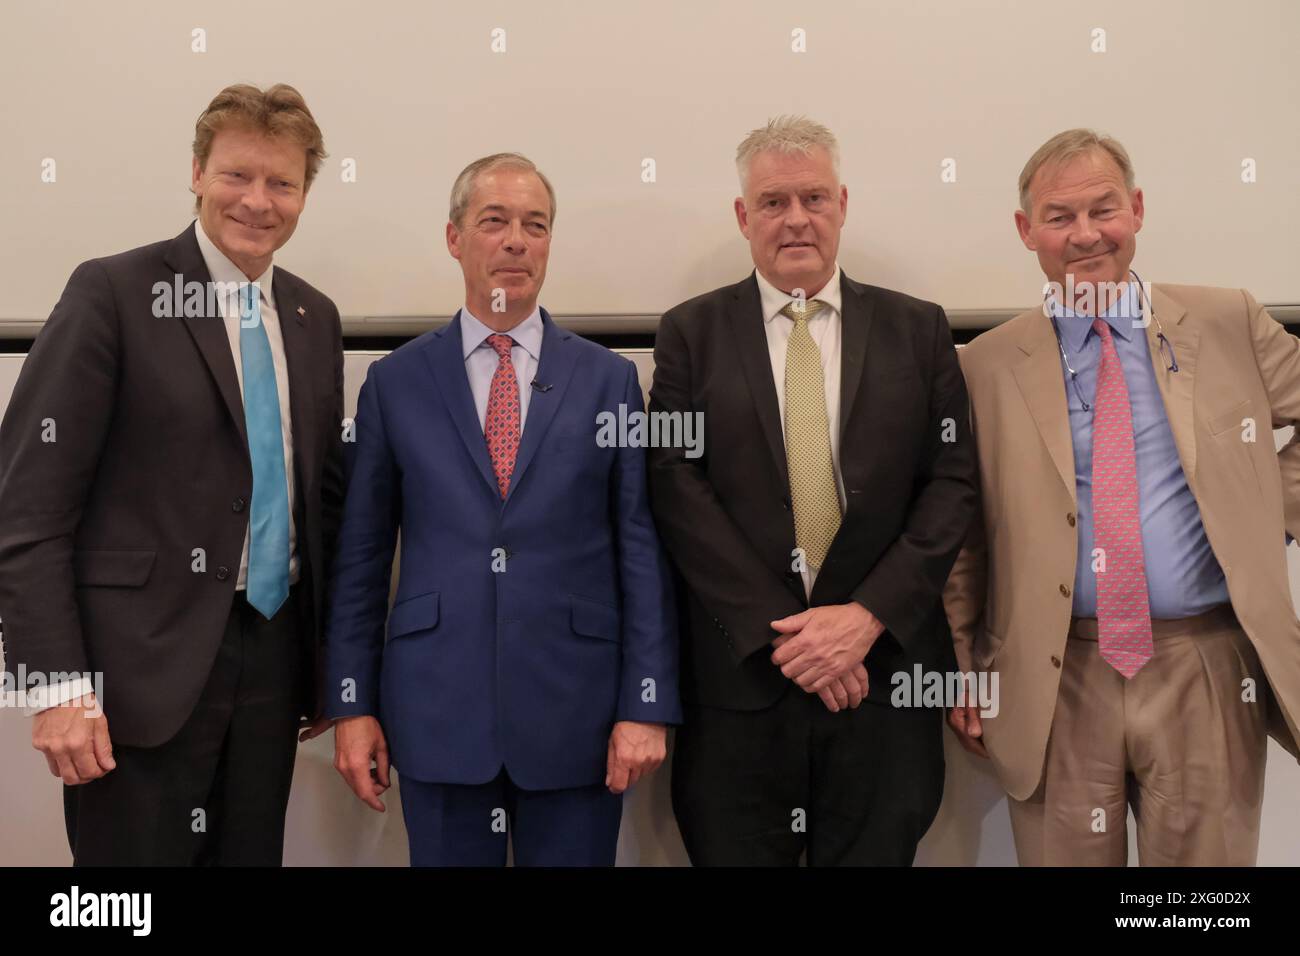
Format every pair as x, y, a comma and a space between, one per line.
481, 359
1183, 575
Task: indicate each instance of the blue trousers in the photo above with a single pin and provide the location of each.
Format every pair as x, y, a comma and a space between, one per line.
468, 825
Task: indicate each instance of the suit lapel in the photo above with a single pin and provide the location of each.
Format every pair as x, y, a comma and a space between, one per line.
1176, 388
855, 329
750, 338
447, 363
208, 331
1040, 377
297, 356
554, 371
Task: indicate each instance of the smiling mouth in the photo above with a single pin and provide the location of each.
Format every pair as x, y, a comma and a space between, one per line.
249, 225
1099, 255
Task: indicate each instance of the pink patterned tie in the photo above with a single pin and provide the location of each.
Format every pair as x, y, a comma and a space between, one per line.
501, 426
1123, 612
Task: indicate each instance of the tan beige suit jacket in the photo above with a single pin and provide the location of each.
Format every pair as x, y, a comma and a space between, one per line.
1009, 597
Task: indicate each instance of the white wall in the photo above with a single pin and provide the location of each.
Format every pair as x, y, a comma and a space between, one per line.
412, 92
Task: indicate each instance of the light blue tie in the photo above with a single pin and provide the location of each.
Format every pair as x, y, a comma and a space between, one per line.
268, 546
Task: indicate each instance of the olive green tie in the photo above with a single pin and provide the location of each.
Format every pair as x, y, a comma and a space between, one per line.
808, 440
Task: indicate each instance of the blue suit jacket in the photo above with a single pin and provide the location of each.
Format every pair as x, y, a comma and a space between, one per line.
527, 667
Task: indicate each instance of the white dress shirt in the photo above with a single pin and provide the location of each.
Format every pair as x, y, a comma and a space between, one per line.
825, 331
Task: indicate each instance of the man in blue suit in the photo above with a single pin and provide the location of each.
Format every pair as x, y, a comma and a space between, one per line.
530, 665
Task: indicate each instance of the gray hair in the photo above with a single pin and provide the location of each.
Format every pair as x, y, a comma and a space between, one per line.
463, 188
786, 134
1065, 146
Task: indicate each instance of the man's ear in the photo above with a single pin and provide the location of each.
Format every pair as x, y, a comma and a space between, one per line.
742, 216
1139, 209
1022, 227
453, 240
196, 176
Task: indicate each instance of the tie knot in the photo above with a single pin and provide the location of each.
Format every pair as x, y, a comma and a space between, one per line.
501, 343
1102, 328
810, 309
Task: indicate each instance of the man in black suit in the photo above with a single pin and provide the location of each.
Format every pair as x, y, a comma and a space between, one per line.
814, 534
170, 491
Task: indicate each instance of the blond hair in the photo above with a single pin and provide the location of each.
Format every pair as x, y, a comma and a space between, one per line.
1065, 146
277, 111
786, 134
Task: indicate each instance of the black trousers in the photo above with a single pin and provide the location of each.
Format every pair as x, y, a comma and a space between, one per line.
216, 793
758, 788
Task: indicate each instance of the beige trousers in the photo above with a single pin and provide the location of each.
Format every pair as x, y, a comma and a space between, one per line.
1183, 743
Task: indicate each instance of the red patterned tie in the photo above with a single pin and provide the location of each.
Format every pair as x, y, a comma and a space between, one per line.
501, 427
1123, 612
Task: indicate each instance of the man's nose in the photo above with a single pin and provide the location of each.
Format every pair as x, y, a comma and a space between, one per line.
796, 216
515, 237
256, 197
1086, 233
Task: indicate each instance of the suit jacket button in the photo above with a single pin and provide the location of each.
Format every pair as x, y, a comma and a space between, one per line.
1065, 592
1056, 661
785, 503
223, 572
1069, 519
237, 505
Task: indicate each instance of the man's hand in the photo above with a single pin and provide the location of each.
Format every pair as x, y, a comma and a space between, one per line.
825, 643
847, 691
965, 723
635, 750
313, 728
74, 738
358, 742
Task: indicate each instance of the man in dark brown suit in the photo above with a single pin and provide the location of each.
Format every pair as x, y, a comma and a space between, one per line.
170, 486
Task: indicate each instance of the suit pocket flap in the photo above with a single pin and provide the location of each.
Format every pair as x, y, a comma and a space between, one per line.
1232, 418
414, 614
594, 619
113, 569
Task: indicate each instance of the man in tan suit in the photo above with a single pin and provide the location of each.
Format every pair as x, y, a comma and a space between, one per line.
1128, 580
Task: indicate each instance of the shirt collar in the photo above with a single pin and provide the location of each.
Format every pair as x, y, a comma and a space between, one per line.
221, 269
774, 300
527, 334
1120, 316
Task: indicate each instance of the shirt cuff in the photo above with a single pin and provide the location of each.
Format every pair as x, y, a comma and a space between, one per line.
52, 695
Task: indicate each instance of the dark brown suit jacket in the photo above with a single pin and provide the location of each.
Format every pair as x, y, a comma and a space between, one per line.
98, 529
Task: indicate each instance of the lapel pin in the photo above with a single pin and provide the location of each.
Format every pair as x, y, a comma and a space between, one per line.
301, 310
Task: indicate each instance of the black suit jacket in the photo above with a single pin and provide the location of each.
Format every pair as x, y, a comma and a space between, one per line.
726, 516
99, 528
